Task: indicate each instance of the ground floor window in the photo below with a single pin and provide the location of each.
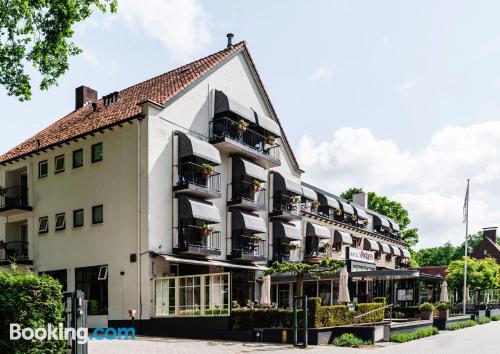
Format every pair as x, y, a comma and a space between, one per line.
60, 276
94, 285
193, 295
243, 286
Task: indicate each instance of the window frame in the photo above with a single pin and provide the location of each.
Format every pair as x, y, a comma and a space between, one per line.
40, 163
94, 222
74, 219
86, 279
46, 218
92, 157
63, 227
103, 276
59, 157
73, 158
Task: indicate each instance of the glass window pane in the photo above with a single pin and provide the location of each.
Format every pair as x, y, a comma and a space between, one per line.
77, 158
97, 214
78, 218
97, 152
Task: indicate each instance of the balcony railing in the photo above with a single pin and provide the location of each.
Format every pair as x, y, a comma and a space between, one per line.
195, 237
284, 257
12, 197
189, 172
14, 251
226, 128
287, 207
315, 252
245, 246
246, 190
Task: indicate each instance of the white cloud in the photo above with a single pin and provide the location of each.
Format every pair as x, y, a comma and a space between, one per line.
430, 182
181, 26
385, 39
407, 85
90, 56
322, 73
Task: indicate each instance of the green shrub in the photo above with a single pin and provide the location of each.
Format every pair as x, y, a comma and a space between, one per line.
426, 306
403, 312
483, 320
375, 316
349, 340
495, 318
442, 306
31, 301
460, 325
408, 336
380, 299
244, 319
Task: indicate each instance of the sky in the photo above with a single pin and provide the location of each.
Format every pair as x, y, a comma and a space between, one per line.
397, 97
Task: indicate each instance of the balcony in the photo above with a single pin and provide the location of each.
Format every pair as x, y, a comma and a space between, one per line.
196, 241
14, 251
285, 209
197, 180
246, 195
14, 200
247, 249
314, 255
227, 135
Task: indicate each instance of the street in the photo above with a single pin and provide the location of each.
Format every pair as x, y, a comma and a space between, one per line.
482, 339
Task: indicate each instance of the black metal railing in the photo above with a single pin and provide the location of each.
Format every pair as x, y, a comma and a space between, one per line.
286, 257
227, 128
315, 252
247, 246
196, 236
288, 207
248, 191
15, 196
14, 250
189, 172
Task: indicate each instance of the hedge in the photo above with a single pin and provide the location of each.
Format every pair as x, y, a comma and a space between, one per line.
318, 316
349, 340
404, 312
408, 336
460, 325
31, 301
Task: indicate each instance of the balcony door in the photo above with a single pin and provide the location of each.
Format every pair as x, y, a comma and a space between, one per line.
23, 231
24, 188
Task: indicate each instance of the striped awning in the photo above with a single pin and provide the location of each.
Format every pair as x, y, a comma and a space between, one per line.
268, 124
342, 237
371, 245
384, 248
244, 167
362, 215
394, 226
405, 253
224, 105
325, 200
242, 220
395, 251
192, 208
286, 230
188, 146
281, 183
379, 221
316, 230
308, 193
346, 208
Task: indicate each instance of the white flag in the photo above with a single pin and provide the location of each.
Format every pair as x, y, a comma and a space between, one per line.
466, 204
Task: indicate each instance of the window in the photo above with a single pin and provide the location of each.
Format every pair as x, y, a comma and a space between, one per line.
97, 214
97, 152
43, 169
59, 164
95, 290
59, 275
43, 225
78, 158
60, 221
78, 218
103, 273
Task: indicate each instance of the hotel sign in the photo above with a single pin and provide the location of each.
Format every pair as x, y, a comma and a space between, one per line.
355, 254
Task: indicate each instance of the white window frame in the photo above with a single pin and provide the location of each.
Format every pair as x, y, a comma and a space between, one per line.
46, 219
63, 226
44, 162
56, 159
104, 276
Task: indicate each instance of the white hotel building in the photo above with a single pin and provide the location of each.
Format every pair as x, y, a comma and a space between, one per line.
159, 198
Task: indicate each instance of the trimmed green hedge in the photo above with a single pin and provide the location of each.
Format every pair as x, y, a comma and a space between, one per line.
349, 340
31, 301
460, 325
408, 336
380, 299
318, 316
483, 320
495, 318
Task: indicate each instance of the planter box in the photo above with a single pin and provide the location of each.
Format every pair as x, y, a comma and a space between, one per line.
404, 327
441, 323
426, 315
493, 312
444, 314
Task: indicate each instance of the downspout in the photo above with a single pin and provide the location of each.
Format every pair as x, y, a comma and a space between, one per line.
139, 217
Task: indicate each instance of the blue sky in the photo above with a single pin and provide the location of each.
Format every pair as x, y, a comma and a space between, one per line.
399, 97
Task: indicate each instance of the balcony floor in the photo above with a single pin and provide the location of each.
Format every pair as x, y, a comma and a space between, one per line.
235, 147
14, 210
197, 190
246, 204
239, 256
197, 251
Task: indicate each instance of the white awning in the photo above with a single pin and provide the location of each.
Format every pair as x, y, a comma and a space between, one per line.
242, 220
316, 230
268, 124
395, 251
362, 215
394, 226
212, 262
326, 200
342, 237
371, 245
384, 248
309, 193
405, 252
347, 208
380, 221
191, 208
190, 146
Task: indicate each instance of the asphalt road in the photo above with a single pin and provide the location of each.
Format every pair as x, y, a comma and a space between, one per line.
484, 339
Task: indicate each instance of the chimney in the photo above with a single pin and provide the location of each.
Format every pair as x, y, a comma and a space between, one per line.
491, 233
361, 199
84, 95
230, 37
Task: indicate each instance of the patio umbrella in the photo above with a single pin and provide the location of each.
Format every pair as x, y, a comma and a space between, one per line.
265, 296
443, 297
343, 286
467, 294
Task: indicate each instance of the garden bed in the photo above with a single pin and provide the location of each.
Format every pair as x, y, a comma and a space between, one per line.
441, 323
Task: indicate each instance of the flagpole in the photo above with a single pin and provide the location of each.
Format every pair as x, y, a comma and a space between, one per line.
466, 232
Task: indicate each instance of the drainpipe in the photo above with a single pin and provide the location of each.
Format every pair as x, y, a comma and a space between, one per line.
139, 217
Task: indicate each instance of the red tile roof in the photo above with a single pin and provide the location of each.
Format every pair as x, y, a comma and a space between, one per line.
84, 120
434, 270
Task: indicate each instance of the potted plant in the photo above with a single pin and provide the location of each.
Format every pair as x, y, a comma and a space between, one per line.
327, 245
338, 212
426, 311
293, 246
354, 217
270, 139
315, 204
443, 309
365, 223
207, 229
256, 239
242, 126
207, 169
295, 199
257, 185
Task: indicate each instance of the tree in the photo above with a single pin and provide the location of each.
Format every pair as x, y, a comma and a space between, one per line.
482, 274
300, 270
38, 33
390, 208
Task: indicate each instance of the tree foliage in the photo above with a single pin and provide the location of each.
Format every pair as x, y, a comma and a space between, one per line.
482, 274
390, 208
38, 33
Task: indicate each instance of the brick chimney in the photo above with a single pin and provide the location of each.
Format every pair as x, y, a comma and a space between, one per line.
491, 233
361, 199
84, 95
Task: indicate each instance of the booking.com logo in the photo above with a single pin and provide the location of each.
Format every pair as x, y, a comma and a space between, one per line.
60, 333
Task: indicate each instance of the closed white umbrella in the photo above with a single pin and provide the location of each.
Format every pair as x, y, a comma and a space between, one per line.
343, 286
443, 297
265, 296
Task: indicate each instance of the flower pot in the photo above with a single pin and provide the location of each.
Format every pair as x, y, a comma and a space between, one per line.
241, 128
426, 315
444, 314
270, 141
255, 242
206, 172
207, 232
